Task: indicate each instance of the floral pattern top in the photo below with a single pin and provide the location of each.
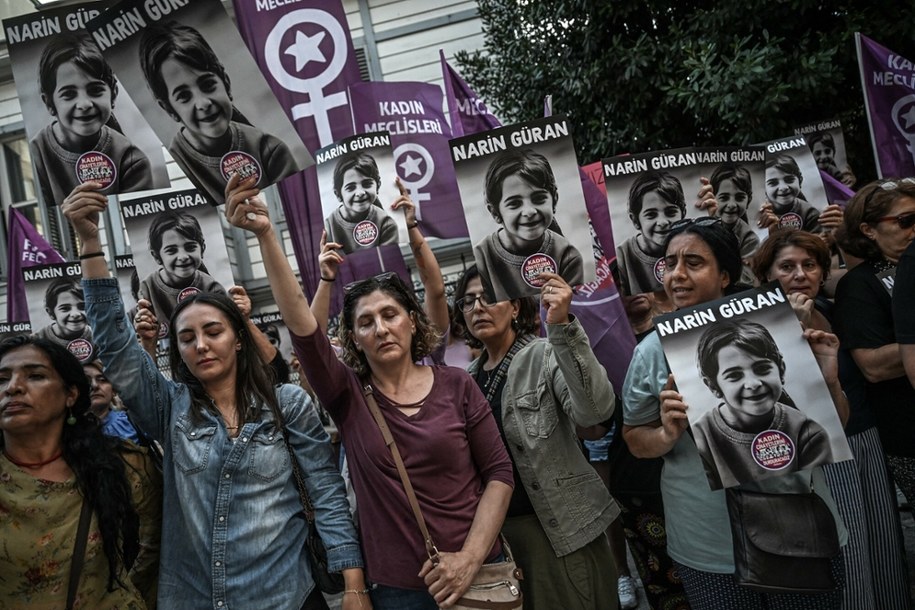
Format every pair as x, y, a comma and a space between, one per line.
38, 525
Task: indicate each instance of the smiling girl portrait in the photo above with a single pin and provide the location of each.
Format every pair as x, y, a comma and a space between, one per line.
360, 221
79, 91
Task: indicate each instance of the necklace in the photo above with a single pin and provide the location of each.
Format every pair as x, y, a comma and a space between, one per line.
54, 458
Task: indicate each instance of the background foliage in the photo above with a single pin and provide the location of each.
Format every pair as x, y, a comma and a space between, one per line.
640, 75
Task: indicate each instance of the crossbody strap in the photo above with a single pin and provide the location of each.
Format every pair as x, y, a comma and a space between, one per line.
307, 506
431, 550
79, 552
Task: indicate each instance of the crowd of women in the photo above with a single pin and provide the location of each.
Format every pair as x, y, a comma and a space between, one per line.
493, 453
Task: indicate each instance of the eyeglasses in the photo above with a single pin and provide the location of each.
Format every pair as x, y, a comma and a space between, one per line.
387, 278
467, 303
887, 185
705, 221
905, 221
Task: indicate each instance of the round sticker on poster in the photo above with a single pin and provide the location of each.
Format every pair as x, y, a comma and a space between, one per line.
660, 266
772, 449
365, 233
534, 265
187, 292
241, 163
97, 167
790, 220
163, 330
80, 348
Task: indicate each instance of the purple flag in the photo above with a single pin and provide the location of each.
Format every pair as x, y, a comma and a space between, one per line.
412, 114
469, 114
26, 248
836, 192
306, 54
367, 263
888, 81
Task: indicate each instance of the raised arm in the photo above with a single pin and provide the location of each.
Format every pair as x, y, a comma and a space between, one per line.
329, 261
430, 274
243, 301
246, 210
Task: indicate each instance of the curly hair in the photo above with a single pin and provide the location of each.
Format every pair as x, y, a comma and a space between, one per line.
526, 323
425, 339
782, 238
93, 457
869, 204
254, 378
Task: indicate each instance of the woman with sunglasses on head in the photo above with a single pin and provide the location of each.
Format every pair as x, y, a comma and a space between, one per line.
702, 257
437, 417
879, 225
541, 391
874, 564
234, 533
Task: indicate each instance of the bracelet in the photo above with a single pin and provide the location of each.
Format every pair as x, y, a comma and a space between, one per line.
89, 255
413, 225
357, 591
328, 279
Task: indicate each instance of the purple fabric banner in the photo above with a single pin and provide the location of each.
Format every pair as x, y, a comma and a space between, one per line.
367, 263
836, 192
26, 248
888, 81
597, 305
306, 54
412, 113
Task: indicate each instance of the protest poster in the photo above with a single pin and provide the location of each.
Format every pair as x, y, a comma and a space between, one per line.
178, 248
271, 324
793, 184
198, 86
648, 193
129, 284
757, 403
888, 81
412, 114
827, 143
57, 307
356, 177
80, 121
14, 329
521, 192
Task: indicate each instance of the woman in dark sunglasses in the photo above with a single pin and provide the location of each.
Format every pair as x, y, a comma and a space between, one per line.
879, 225
439, 420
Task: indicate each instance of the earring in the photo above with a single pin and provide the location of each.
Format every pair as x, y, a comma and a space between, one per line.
71, 419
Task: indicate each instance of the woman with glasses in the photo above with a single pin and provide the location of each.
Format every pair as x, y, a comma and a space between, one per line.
233, 531
879, 225
541, 391
437, 416
702, 257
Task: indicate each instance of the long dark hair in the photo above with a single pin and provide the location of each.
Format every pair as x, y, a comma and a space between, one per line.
254, 379
93, 457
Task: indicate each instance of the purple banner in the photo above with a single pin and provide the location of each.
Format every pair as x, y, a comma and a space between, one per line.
26, 248
412, 114
836, 192
306, 54
367, 263
468, 112
888, 81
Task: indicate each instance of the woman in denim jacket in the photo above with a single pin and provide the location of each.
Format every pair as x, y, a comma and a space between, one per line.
541, 391
233, 529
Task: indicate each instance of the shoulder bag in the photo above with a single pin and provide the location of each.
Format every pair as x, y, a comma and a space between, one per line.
496, 586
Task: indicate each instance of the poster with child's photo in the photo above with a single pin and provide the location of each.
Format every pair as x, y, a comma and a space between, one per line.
521, 192
178, 248
794, 189
57, 307
356, 178
80, 121
198, 86
757, 403
648, 193
827, 143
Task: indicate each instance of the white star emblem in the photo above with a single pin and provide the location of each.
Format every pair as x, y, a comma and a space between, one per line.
909, 117
410, 166
306, 49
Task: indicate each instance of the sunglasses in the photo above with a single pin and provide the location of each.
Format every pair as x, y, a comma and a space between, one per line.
467, 303
889, 185
905, 221
705, 221
388, 278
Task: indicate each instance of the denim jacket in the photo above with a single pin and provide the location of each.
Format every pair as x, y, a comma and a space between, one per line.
553, 385
233, 531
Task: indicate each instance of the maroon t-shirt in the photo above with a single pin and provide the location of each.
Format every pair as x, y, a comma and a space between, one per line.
451, 449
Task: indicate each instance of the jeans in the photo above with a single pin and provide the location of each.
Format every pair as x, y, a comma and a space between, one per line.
395, 598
